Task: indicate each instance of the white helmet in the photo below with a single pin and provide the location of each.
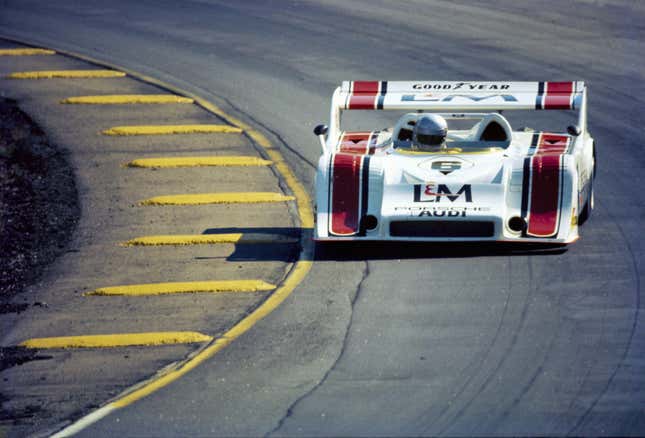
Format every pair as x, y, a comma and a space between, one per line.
430, 131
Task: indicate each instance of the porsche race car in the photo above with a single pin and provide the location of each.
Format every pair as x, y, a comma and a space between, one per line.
487, 182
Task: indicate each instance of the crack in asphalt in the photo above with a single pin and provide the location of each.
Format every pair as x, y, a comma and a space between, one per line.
273, 132
307, 394
200, 91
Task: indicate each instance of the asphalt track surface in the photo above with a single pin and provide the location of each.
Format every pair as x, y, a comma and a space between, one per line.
391, 340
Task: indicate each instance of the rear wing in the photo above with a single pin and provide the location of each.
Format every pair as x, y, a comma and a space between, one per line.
454, 96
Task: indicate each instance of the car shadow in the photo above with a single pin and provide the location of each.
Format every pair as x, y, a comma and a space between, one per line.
284, 243
266, 231
287, 247
361, 251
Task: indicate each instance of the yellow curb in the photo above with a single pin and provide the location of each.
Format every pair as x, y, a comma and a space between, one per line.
171, 129
66, 74
295, 276
185, 287
120, 99
218, 198
198, 161
305, 211
117, 340
208, 239
25, 52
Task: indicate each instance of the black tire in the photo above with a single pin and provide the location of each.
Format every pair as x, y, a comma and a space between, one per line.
586, 210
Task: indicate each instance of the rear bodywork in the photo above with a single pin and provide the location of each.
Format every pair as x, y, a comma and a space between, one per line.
524, 185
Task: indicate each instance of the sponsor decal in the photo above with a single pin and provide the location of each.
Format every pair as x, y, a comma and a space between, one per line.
440, 211
431, 192
461, 86
445, 164
446, 167
362, 143
429, 97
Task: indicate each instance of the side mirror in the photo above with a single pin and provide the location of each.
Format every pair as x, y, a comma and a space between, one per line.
573, 130
320, 130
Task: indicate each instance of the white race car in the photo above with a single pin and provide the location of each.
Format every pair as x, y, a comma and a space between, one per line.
485, 182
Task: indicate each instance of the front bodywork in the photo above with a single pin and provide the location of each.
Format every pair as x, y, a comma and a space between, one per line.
530, 188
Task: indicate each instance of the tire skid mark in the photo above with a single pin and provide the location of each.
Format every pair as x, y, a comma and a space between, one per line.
637, 297
592, 365
504, 356
479, 359
534, 377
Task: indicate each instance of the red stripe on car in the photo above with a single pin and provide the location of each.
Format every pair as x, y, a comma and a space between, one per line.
545, 185
345, 194
364, 95
558, 95
552, 144
545, 195
361, 143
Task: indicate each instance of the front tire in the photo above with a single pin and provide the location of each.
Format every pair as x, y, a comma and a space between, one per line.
586, 210
589, 205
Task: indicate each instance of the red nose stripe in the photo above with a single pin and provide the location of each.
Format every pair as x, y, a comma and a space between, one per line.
356, 136
345, 194
545, 185
355, 143
362, 143
545, 196
552, 144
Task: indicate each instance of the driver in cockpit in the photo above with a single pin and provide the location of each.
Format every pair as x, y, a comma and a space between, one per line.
429, 133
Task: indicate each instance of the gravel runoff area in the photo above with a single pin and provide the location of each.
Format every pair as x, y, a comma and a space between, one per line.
39, 210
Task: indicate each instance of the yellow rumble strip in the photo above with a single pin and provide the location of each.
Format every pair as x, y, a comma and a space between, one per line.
185, 287
120, 99
198, 161
218, 198
172, 129
66, 74
209, 239
117, 340
25, 52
